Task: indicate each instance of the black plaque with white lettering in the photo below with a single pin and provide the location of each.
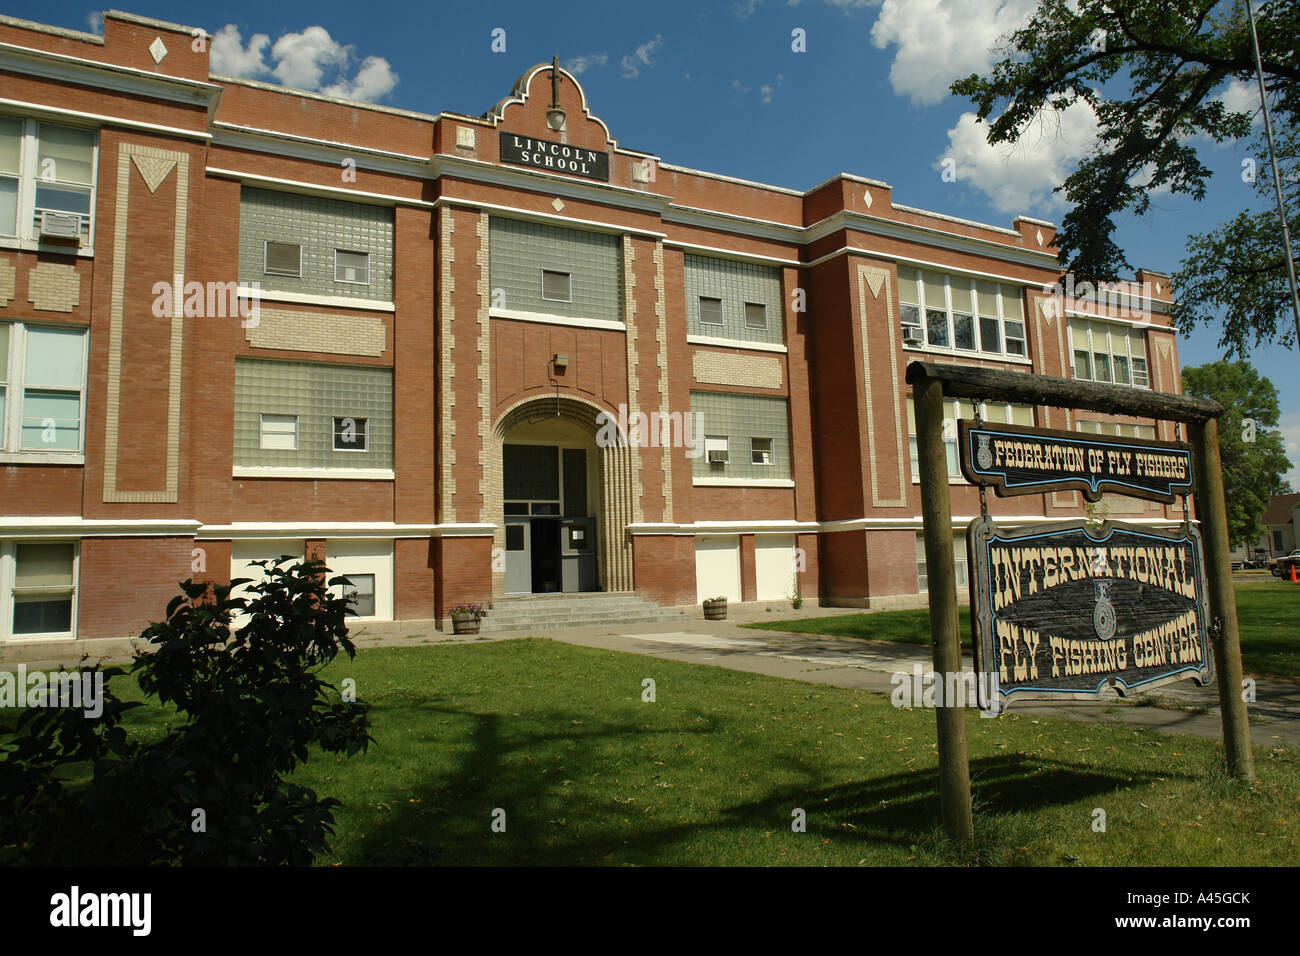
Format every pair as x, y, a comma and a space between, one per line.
1063, 610
554, 157
1016, 460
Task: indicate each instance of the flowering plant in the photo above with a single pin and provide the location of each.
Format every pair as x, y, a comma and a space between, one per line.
466, 610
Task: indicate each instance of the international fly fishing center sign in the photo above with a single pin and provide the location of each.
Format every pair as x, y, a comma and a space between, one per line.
1063, 610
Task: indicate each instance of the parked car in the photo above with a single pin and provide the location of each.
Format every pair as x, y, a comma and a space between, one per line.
1281, 567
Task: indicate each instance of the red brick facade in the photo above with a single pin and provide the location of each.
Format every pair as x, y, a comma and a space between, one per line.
152, 495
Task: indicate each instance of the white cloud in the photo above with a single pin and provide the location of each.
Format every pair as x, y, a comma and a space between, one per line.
641, 56
942, 40
580, 64
95, 23
1242, 97
1019, 178
229, 57
745, 8
311, 60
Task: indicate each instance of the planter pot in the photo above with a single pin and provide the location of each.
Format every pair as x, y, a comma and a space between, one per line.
464, 624
715, 610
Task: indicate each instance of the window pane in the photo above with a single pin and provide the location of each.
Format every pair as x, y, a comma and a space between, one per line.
65, 154
934, 294
4, 352
51, 420
349, 434
1101, 366
11, 138
1022, 415
516, 508
907, 291
988, 297
1121, 369
990, 335
710, 311
755, 316
1140, 372
760, 450
1012, 307
963, 330
63, 199
361, 590
514, 537
1082, 364
557, 286
280, 431
283, 258
42, 614
911, 316
54, 357
936, 323
959, 289
8, 206
1015, 338
1137, 343
43, 565
351, 266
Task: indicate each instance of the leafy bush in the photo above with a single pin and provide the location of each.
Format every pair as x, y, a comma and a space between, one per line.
80, 791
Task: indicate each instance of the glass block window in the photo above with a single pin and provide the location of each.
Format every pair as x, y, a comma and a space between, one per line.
960, 314
269, 394
345, 248
530, 472
734, 422
748, 296
1108, 352
587, 270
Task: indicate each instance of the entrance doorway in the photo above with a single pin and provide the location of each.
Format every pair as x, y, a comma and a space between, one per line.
549, 522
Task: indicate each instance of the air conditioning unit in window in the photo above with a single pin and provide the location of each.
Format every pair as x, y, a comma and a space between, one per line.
60, 226
719, 456
912, 334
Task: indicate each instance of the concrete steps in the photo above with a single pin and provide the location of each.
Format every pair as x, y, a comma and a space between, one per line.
543, 611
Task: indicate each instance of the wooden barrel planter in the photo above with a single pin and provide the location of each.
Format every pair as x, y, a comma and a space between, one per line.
715, 609
464, 623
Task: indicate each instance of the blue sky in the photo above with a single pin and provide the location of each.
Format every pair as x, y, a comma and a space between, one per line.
718, 86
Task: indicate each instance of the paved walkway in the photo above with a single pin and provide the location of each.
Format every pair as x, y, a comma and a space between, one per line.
866, 665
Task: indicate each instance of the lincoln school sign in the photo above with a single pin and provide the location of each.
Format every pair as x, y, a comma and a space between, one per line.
1017, 460
554, 157
1060, 611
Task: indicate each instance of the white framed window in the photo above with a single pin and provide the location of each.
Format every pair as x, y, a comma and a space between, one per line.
1108, 352
755, 315
42, 389
350, 434
760, 451
283, 258
353, 267
710, 310
38, 590
992, 413
360, 591
47, 181
280, 432
958, 314
557, 286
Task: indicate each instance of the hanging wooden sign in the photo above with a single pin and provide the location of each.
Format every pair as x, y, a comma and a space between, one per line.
1016, 460
1061, 611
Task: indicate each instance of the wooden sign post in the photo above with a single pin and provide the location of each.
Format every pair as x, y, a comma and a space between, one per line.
1017, 460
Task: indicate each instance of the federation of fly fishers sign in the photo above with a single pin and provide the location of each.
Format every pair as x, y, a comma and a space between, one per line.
1063, 610
1017, 460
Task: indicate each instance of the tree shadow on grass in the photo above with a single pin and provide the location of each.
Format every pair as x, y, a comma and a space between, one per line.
589, 792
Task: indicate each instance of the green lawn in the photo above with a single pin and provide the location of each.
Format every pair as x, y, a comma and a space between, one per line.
1268, 614
587, 773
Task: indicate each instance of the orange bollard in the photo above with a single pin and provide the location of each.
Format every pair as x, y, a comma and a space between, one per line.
1293, 577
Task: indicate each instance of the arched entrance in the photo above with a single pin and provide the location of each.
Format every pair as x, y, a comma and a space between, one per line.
562, 500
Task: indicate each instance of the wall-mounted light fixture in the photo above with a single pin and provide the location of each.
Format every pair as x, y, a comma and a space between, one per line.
555, 115
560, 361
